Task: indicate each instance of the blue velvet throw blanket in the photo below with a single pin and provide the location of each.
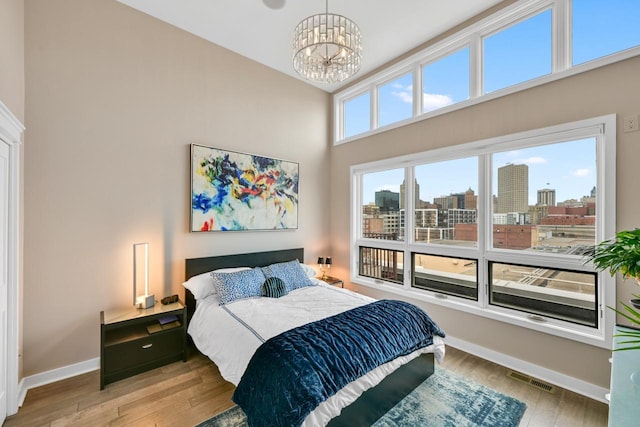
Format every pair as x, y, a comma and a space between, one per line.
292, 373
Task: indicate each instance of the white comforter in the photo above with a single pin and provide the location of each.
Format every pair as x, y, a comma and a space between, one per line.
229, 335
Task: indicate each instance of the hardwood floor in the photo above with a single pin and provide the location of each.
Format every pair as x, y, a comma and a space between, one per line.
185, 394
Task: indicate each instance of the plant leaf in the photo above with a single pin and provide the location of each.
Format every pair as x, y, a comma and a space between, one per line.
629, 318
627, 348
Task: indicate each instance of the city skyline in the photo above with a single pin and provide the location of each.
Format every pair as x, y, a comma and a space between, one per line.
569, 168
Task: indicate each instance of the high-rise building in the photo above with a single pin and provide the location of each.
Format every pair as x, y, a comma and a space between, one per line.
470, 199
461, 216
513, 188
546, 197
388, 201
371, 209
447, 202
460, 200
416, 201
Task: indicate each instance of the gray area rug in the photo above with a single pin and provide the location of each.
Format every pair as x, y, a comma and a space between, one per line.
444, 399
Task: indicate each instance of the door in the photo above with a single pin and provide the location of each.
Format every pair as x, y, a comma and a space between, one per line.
4, 273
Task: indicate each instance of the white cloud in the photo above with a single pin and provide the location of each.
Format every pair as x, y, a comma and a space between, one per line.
581, 172
405, 96
534, 160
433, 101
404, 93
513, 153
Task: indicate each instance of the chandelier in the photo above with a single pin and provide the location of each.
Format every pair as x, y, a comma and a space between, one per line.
326, 47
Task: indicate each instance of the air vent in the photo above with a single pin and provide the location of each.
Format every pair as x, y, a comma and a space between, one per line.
532, 381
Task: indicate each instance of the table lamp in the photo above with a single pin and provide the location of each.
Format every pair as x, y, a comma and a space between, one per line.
141, 276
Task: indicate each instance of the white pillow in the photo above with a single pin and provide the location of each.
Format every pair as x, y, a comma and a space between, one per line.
309, 271
201, 285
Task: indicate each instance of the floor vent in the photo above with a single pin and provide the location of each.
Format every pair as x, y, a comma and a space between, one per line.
532, 381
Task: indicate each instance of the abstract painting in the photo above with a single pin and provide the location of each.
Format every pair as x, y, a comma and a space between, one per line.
236, 191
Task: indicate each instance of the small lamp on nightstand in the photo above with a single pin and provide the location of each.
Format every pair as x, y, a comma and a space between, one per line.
325, 264
141, 276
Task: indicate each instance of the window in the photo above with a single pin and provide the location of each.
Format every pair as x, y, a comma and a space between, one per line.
561, 294
445, 275
356, 115
381, 208
496, 227
445, 81
518, 53
522, 45
602, 28
395, 100
381, 264
545, 197
447, 218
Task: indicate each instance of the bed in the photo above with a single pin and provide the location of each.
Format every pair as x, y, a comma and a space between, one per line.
242, 326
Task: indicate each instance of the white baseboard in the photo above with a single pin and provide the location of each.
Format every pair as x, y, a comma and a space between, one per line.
561, 380
54, 375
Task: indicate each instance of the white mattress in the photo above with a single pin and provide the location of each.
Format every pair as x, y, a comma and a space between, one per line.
229, 335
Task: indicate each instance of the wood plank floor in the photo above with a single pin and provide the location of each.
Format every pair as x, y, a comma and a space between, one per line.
185, 394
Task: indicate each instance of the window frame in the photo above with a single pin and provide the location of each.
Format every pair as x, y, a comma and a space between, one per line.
603, 128
472, 36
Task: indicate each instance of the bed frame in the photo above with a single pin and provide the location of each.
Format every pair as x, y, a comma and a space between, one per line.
373, 403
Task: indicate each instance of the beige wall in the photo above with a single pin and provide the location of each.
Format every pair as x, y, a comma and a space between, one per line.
12, 56
114, 99
612, 89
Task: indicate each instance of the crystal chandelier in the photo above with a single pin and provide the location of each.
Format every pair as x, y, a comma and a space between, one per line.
326, 47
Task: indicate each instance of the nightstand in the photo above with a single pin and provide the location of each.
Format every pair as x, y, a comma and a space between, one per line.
334, 281
136, 340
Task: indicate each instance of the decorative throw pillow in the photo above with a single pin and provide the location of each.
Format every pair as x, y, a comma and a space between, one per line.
290, 272
201, 285
274, 287
238, 285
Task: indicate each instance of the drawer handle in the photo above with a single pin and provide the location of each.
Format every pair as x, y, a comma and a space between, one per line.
147, 346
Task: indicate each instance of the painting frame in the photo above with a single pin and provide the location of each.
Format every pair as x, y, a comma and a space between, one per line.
235, 191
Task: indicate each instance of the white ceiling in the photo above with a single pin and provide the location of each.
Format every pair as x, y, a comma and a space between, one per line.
263, 29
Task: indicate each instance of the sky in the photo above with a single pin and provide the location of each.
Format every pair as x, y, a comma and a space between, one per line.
569, 168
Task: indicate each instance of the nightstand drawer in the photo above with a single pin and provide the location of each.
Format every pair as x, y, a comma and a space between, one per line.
142, 351
133, 341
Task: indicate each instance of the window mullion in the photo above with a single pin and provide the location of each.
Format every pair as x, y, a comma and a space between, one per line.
417, 90
475, 66
373, 91
561, 37
484, 225
409, 222
356, 205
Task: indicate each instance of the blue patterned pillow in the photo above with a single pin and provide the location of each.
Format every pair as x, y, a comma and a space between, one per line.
274, 287
290, 272
238, 285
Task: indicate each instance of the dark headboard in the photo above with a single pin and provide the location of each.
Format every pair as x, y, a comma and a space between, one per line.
195, 266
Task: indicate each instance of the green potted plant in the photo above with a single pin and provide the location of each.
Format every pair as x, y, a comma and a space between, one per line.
622, 254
